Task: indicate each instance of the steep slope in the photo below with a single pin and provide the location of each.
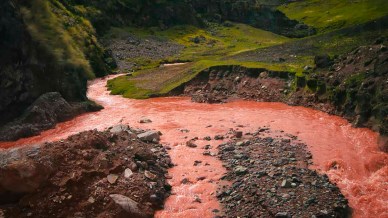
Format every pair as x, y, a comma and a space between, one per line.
44, 48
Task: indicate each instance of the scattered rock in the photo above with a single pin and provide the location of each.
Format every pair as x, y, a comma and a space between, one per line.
218, 137
286, 184
119, 128
128, 173
191, 144
150, 175
253, 170
127, 204
240, 170
283, 215
145, 120
149, 136
112, 178
238, 134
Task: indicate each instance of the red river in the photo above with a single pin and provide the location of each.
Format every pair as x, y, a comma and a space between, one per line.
361, 172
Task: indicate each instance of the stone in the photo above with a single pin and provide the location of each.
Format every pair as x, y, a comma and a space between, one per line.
119, 128
197, 199
112, 178
207, 147
145, 120
150, 175
191, 144
286, 184
127, 204
185, 130
283, 215
128, 173
286, 196
207, 138
91, 200
238, 134
240, 143
201, 178
206, 153
21, 174
185, 181
149, 136
240, 170
218, 137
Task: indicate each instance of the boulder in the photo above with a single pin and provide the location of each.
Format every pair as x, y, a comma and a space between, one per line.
149, 136
49, 109
119, 128
22, 172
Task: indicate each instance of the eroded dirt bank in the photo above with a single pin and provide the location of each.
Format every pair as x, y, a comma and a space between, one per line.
113, 173
353, 86
349, 156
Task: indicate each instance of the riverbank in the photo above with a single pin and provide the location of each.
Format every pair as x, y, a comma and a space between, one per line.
114, 173
337, 152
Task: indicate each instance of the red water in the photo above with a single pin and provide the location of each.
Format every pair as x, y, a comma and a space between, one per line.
348, 155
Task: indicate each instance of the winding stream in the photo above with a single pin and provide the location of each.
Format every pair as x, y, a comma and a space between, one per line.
348, 155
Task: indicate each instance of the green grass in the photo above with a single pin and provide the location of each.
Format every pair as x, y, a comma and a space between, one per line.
328, 15
219, 40
229, 45
128, 89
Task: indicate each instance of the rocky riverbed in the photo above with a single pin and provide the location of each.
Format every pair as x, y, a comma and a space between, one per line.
270, 178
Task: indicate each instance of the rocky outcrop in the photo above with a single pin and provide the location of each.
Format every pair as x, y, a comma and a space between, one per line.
48, 110
91, 174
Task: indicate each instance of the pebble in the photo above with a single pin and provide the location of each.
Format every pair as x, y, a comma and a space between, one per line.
128, 173
112, 178
145, 120
150, 175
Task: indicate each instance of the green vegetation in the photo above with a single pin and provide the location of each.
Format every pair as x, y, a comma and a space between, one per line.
341, 27
214, 44
69, 39
328, 15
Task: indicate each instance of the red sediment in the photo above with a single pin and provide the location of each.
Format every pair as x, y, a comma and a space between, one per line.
350, 156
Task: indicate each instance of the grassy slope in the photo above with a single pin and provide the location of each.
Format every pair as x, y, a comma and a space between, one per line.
250, 47
65, 34
220, 42
328, 15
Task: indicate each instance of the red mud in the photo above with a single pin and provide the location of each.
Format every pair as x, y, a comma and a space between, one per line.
348, 155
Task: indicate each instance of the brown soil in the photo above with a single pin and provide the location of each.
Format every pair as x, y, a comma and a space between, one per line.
80, 177
227, 83
271, 178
